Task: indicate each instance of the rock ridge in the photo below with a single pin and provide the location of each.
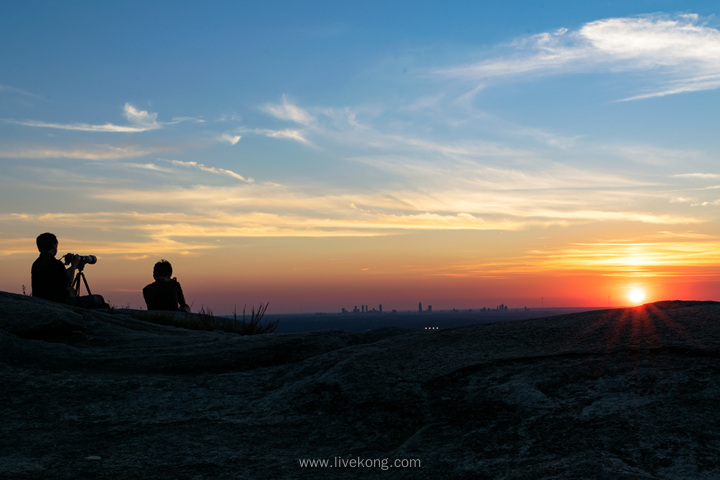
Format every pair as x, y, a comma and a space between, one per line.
608, 394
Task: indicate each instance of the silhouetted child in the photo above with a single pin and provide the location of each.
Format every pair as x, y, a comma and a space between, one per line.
164, 293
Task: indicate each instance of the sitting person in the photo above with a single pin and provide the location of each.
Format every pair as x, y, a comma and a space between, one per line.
49, 277
164, 293
52, 281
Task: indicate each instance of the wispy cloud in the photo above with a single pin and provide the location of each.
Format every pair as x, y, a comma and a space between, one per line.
141, 118
18, 91
97, 152
681, 257
82, 127
709, 176
632, 259
148, 166
463, 208
215, 170
289, 111
681, 52
229, 138
470, 169
139, 121
287, 134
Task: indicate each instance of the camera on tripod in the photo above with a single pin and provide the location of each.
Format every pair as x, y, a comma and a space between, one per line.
83, 259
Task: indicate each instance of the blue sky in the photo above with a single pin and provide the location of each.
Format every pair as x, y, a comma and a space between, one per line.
194, 129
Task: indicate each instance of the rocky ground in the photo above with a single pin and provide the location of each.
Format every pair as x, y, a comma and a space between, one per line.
614, 394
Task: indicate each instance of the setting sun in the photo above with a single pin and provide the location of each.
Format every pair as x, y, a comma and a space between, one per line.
636, 296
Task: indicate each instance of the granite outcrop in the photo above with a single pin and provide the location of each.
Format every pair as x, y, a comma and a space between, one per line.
610, 394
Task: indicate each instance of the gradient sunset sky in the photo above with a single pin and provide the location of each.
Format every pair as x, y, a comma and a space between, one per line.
319, 155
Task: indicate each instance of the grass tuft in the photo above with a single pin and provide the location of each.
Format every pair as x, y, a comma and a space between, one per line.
205, 320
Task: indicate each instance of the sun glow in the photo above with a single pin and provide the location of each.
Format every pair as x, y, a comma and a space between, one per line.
636, 296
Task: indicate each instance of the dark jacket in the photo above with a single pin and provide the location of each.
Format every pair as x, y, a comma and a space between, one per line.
164, 295
49, 279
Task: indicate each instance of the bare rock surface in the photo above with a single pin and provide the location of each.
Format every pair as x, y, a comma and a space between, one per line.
613, 394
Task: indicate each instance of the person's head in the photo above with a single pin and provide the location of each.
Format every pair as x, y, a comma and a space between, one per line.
162, 269
46, 242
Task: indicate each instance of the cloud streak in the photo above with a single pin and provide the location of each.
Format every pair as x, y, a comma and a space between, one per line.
97, 152
681, 53
630, 258
402, 210
286, 134
19, 91
215, 170
139, 121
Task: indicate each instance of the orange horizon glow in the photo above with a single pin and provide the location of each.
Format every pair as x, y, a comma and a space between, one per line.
325, 275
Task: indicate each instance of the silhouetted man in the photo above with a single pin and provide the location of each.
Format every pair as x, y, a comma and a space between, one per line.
164, 293
50, 279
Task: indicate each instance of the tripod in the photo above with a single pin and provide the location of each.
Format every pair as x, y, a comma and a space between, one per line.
76, 283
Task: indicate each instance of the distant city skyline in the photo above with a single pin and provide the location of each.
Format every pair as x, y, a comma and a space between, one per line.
310, 154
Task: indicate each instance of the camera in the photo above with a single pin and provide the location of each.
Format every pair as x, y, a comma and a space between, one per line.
84, 259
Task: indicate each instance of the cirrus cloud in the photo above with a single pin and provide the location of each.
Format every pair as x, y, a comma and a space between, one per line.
681, 52
139, 121
95, 152
289, 111
216, 170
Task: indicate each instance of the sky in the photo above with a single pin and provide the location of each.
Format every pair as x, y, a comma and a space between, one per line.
319, 155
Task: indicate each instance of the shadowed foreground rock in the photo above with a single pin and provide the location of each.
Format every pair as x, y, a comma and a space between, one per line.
616, 394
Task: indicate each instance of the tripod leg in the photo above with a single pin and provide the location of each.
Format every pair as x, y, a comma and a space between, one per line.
86, 284
76, 285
